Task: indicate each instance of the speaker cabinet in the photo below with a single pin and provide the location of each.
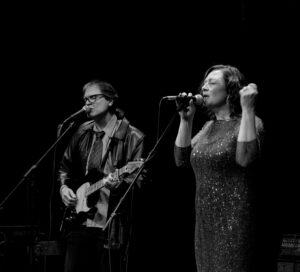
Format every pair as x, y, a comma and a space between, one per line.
289, 257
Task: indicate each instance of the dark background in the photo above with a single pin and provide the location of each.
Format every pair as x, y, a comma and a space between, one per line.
146, 51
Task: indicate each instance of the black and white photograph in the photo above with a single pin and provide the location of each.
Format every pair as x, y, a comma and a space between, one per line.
141, 137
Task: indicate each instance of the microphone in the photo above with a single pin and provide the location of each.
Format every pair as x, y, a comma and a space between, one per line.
197, 99
76, 114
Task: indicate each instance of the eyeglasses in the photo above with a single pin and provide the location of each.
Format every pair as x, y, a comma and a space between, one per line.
93, 98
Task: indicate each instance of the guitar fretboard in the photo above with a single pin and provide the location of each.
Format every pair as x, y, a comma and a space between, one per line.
101, 183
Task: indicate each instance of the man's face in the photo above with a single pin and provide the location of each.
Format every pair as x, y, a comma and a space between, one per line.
96, 102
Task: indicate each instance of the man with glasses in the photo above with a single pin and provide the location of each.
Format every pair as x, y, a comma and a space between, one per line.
100, 148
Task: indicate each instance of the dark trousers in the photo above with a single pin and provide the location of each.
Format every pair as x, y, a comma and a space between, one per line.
85, 251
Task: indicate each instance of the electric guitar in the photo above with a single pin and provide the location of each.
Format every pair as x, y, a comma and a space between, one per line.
86, 197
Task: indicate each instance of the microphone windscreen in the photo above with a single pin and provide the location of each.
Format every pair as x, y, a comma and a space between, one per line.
198, 99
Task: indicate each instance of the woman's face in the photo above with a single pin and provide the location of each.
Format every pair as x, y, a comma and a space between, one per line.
214, 90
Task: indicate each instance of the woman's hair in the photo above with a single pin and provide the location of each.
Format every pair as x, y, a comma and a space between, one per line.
107, 89
234, 82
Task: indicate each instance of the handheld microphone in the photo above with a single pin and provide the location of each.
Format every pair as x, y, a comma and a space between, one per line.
197, 99
76, 114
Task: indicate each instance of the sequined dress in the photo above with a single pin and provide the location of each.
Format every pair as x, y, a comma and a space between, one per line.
223, 201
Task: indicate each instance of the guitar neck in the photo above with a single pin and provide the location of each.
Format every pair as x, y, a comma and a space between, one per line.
94, 187
128, 168
99, 184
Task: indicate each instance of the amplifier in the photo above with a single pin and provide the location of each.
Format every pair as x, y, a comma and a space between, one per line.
47, 248
289, 257
290, 245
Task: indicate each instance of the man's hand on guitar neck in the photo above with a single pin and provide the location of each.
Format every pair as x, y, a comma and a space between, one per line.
112, 180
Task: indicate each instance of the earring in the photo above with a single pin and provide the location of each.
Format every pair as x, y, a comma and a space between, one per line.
227, 99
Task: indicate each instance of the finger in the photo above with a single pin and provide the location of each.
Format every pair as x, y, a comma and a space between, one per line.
72, 195
72, 202
65, 201
242, 90
253, 85
249, 90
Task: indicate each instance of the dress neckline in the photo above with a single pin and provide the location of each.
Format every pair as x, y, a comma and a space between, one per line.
224, 120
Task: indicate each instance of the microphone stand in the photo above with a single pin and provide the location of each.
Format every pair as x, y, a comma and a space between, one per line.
151, 154
26, 177
35, 166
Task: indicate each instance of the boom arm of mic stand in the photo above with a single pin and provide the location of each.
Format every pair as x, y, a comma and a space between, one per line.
35, 166
149, 157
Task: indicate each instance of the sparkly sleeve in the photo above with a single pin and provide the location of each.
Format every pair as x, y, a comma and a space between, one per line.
182, 156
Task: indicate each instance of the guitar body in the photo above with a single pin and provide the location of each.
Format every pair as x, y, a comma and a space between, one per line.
88, 195
82, 203
85, 207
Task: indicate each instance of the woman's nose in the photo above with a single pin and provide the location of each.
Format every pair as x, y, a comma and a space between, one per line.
204, 89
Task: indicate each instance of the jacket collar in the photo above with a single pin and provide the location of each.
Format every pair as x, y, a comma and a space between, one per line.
120, 133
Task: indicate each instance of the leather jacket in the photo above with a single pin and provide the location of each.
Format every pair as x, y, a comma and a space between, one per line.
127, 144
